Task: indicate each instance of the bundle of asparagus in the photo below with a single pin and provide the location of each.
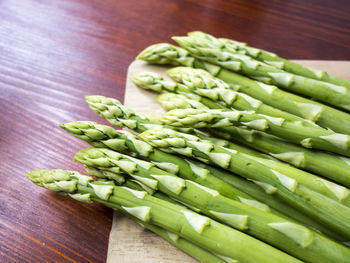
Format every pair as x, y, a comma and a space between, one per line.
182, 175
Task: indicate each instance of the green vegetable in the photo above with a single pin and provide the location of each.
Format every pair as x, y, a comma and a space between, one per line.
228, 185
323, 115
280, 232
319, 207
215, 52
195, 228
274, 60
204, 84
308, 137
331, 166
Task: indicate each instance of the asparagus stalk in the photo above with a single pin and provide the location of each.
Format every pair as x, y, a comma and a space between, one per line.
214, 52
155, 82
323, 115
101, 135
200, 230
189, 248
274, 60
204, 84
323, 186
308, 137
334, 167
319, 207
297, 240
331, 166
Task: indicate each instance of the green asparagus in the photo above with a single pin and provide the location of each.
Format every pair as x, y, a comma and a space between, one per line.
214, 52
155, 82
274, 60
323, 115
200, 230
331, 166
319, 207
204, 84
334, 167
289, 236
101, 135
308, 137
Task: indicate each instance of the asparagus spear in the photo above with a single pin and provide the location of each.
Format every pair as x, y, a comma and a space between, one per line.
213, 93
297, 240
204, 84
101, 135
155, 82
323, 115
331, 166
171, 101
213, 52
308, 137
200, 230
321, 208
274, 60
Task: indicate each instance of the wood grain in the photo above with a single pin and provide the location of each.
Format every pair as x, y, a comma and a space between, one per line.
52, 53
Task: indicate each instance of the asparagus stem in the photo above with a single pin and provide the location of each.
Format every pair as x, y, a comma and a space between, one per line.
323, 115
204, 84
214, 52
330, 189
316, 205
155, 82
274, 60
233, 213
200, 230
331, 166
309, 137
101, 135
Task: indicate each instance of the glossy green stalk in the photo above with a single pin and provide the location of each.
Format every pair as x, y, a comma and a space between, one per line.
274, 60
334, 167
227, 184
200, 230
215, 52
331, 166
289, 236
319, 207
323, 115
308, 137
204, 84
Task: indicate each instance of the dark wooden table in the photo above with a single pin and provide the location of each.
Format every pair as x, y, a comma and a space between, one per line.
54, 52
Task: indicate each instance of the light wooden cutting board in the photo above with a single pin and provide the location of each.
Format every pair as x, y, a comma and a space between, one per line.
129, 242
